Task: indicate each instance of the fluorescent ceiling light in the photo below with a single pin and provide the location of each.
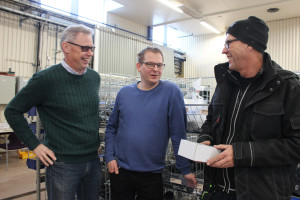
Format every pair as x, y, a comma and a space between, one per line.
208, 26
171, 5
112, 5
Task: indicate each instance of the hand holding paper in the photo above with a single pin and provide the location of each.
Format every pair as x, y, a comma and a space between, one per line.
224, 159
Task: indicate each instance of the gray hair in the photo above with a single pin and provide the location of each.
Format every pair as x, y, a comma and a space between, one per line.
141, 55
70, 33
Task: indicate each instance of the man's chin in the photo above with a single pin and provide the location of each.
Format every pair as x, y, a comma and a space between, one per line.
154, 80
84, 66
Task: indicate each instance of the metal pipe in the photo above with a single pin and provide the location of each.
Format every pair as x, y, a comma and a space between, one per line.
38, 48
67, 18
38, 162
56, 38
14, 11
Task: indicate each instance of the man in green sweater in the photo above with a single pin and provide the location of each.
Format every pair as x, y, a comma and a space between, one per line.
67, 99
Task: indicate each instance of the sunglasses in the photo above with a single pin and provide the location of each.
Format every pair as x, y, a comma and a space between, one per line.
83, 48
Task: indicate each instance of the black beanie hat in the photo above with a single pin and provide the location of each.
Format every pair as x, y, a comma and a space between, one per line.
252, 31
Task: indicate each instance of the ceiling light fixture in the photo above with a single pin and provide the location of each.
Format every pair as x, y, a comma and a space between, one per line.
171, 5
208, 26
190, 11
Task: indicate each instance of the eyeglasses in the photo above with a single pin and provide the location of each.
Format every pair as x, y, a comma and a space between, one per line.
228, 42
83, 48
151, 65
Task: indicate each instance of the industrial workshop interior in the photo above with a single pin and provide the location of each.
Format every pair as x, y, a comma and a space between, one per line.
192, 35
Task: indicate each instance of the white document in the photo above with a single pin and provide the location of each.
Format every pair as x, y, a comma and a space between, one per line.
196, 151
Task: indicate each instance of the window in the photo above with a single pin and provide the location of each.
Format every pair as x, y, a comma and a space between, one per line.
159, 34
172, 38
167, 35
91, 11
60, 6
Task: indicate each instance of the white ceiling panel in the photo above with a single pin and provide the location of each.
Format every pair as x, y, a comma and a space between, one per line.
218, 13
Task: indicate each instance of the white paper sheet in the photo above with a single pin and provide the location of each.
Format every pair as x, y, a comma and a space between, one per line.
196, 151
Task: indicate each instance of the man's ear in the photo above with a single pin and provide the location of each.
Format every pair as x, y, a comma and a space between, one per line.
138, 66
65, 47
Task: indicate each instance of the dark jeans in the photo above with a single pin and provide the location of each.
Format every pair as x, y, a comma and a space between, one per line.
63, 181
218, 195
144, 185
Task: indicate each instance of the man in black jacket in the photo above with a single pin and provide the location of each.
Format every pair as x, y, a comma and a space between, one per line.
254, 118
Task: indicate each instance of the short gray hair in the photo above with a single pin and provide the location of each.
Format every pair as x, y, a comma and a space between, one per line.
70, 33
141, 55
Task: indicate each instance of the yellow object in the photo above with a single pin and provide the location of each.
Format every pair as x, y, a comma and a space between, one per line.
24, 154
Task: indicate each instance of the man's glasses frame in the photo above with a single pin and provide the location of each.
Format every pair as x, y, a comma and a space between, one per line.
228, 42
83, 48
151, 65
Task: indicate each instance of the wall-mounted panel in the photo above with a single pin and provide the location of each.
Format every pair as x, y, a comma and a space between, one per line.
7, 88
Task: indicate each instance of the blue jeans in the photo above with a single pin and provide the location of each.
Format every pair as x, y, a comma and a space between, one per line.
63, 180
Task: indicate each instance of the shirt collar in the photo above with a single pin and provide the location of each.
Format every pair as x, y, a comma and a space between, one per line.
69, 69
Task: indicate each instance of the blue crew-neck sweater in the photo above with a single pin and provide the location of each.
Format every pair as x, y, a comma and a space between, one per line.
68, 106
141, 123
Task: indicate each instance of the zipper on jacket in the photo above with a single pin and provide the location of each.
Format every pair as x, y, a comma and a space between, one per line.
238, 102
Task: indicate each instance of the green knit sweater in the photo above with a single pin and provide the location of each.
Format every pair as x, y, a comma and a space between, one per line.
68, 106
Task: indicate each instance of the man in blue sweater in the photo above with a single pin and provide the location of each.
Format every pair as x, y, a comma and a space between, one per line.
146, 114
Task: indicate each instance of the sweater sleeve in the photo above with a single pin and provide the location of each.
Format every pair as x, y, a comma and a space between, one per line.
177, 124
31, 95
111, 132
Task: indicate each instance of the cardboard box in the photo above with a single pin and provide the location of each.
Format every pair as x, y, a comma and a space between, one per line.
196, 151
24, 154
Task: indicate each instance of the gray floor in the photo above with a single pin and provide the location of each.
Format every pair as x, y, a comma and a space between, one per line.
19, 181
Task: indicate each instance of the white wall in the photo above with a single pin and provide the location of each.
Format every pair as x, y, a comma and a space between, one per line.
284, 43
125, 24
116, 50
17, 45
205, 51
118, 53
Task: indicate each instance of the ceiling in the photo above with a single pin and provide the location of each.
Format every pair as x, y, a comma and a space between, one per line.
218, 13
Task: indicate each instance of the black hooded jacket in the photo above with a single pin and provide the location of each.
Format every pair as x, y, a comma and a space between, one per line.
267, 143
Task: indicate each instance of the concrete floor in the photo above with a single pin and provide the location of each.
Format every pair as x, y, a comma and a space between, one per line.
19, 182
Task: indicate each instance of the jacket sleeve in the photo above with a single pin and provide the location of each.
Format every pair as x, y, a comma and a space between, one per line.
206, 128
283, 150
